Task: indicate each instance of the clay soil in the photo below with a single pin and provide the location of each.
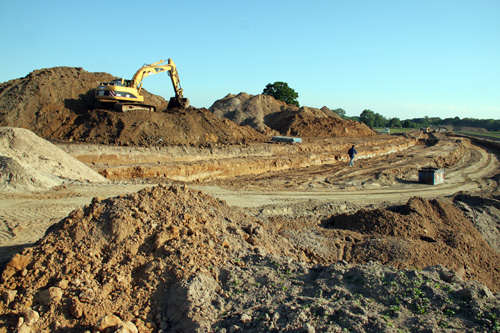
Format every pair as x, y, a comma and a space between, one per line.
224, 231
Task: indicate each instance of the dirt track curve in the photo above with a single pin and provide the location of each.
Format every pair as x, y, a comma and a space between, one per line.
397, 179
389, 177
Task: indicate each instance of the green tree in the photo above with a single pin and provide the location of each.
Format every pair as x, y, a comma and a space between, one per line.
408, 124
281, 91
394, 122
380, 120
340, 112
367, 117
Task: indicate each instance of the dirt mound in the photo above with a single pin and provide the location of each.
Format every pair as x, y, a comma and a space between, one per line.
58, 104
268, 115
245, 109
29, 163
125, 256
197, 127
304, 125
422, 233
174, 259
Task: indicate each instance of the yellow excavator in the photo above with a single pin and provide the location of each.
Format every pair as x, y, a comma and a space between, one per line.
126, 94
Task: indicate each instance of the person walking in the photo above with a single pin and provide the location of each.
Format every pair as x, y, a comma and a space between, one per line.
352, 152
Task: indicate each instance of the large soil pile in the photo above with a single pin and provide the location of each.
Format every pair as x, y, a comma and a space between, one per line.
422, 233
128, 255
304, 125
58, 104
174, 259
29, 163
268, 115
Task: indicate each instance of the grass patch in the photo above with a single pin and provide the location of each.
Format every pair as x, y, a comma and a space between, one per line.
483, 134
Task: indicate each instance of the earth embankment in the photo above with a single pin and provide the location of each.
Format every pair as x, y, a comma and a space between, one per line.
202, 164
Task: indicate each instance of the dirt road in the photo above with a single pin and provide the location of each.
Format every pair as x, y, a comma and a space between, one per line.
389, 177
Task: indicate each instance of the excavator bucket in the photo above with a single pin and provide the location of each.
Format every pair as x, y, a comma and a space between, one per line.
178, 103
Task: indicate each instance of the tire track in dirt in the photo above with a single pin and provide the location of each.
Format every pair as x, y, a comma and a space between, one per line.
5, 231
25, 217
468, 174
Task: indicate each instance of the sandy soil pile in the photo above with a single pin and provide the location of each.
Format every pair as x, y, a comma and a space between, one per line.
174, 259
245, 109
130, 256
29, 163
268, 115
58, 104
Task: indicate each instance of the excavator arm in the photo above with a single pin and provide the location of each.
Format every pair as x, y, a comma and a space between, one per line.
159, 67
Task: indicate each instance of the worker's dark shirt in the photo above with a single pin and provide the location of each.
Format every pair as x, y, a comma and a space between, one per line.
352, 152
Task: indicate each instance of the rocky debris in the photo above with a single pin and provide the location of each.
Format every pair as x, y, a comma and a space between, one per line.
30, 163
169, 258
270, 294
268, 115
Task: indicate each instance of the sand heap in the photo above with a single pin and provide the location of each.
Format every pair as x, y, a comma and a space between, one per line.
268, 115
29, 163
58, 104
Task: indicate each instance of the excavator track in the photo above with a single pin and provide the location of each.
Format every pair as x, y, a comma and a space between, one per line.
124, 107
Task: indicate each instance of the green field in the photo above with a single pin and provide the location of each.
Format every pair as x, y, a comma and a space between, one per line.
495, 135
394, 130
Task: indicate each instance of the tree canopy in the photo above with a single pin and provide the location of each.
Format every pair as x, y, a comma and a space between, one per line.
367, 117
281, 91
340, 112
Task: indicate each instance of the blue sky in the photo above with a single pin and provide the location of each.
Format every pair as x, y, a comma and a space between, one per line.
403, 59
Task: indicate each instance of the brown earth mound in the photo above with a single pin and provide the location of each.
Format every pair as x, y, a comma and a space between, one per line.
301, 124
123, 255
197, 127
268, 115
422, 233
57, 104
174, 259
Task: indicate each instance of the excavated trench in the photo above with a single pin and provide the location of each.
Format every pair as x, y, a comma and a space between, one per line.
183, 163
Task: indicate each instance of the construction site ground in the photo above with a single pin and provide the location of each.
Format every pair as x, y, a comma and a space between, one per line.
203, 224
263, 179
297, 188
